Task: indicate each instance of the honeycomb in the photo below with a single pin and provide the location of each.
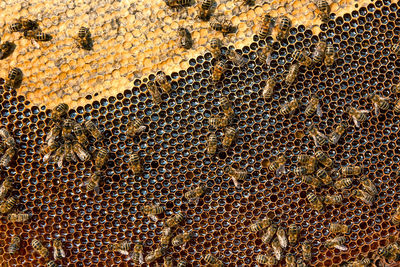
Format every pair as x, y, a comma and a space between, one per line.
173, 150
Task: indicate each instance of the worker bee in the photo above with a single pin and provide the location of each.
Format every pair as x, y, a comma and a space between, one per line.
324, 176
278, 165
324, 10
289, 107
237, 175
59, 112
324, 159
22, 25
337, 242
379, 102
93, 130
207, 8
215, 46
18, 217
277, 249
318, 137
357, 115
343, 183
307, 160
396, 107
51, 264
304, 170
235, 57
4, 133
135, 127
185, 40
350, 171
38, 35
293, 233
155, 93
265, 29
101, 158
8, 155
334, 137
281, 235
330, 55
59, 155
5, 187
306, 250
338, 228
93, 182
390, 253
14, 78
165, 237
225, 27
67, 129
229, 137
369, 187
283, 25
177, 4
168, 262
14, 245
38, 246
268, 90
137, 255
84, 39
219, 121
80, 134
181, 264
292, 74
6, 49
174, 220
311, 180
8, 204
269, 234
194, 194
363, 262
396, 216
156, 254
121, 247
396, 49
152, 211
315, 201
69, 152
58, 250
16, 27
82, 154
319, 52
182, 239
265, 54
363, 196
312, 107
267, 260
333, 199
227, 107
300, 263
218, 70
213, 261
162, 81
135, 164
54, 133
212, 144
303, 58
290, 260
260, 225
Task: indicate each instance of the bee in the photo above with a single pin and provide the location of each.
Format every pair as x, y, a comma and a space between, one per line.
181, 264
307, 160
324, 10
235, 57
18, 217
389, 253
396, 216
396, 107
53, 134
213, 261
334, 137
207, 8
338, 228
283, 25
337, 242
363, 196
379, 102
93, 182
162, 81
168, 262
266, 25
300, 263
4, 133
357, 115
5, 187
59, 112
278, 166
350, 171
218, 70
281, 236
363, 262
135, 127
265, 54
319, 53
176, 4
152, 211
156, 254
227, 107
101, 158
260, 225
277, 249
8, 204
38, 35
312, 107
330, 55
343, 183
268, 260
303, 58
293, 233
155, 93
194, 194
14, 245
51, 264
137, 255
369, 187
165, 237
38, 246
14, 78
16, 27
58, 250
333, 199
212, 144
67, 128
80, 134
135, 164
306, 249
22, 25
292, 75
69, 152
304, 170
84, 39
93, 130
269, 234
82, 154
315, 201
290, 260
182, 239
311, 180
268, 90
225, 27
324, 176
6, 49
237, 175
396, 49
289, 107
185, 40
121, 247
229, 137
324, 159
215, 46
174, 220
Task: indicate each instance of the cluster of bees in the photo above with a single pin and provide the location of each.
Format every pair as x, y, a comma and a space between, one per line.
30, 29
58, 251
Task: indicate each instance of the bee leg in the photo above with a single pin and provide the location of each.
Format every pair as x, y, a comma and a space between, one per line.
153, 217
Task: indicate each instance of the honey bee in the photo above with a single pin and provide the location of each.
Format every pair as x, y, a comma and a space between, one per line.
292, 74
137, 255
22, 25
343, 183
69, 152
318, 137
215, 46
260, 225
174, 220
14, 245
101, 158
379, 102
4, 133
337, 242
357, 115
235, 57
396, 49
8, 155
304, 170
38, 35
51, 264
265, 29
350, 171
363, 196
185, 38
315, 201
84, 39
53, 135
80, 134
227, 107
218, 70
312, 107
59, 155
334, 137
268, 260
300, 263
369, 187
333, 199
324, 10
265, 54
289, 107
67, 128
330, 55
311, 180
177, 4
290, 260
269, 234
181, 264
283, 25
168, 262
59, 112
293, 233
396, 107
363, 262
303, 58
182, 239
155, 93
229, 137
277, 249
324, 176
82, 154
135, 164
307, 160
338, 228
58, 250
93, 182
152, 211
225, 27
6, 49
390, 253
278, 166
8, 204
212, 144
268, 90
121, 247
324, 159
165, 237
162, 81
306, 249
39, 248
207, 8
156, 254
93, 130
213, 261
319, 53
135, 127
194, 194
396, 216
5, 187
14, 78
18, 217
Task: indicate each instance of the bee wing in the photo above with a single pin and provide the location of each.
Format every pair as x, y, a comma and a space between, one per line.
47, 157
55, 253
123, 252
319, 110
376, 107
153, 217
60, 160
236, 182
5, 160
315, 140
341, 247
269, 59
364, 111
281, 170
62, 252
35, 44
141, 261
97, 190
356, 122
